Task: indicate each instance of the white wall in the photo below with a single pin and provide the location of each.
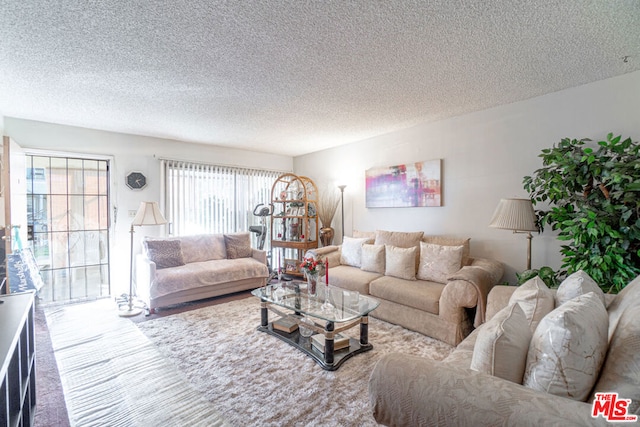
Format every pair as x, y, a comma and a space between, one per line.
131, 152
485, 156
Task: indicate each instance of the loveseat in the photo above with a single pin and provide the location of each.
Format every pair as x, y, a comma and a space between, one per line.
547, 376
182, 269
429, 284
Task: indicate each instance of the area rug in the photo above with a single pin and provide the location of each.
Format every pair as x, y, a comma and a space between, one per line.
112, 375
254, 379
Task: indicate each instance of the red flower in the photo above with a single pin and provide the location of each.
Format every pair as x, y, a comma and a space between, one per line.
310, 265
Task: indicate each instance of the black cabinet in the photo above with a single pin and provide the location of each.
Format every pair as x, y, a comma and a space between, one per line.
17, 350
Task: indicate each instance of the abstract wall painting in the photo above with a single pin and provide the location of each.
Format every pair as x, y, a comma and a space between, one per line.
411, 185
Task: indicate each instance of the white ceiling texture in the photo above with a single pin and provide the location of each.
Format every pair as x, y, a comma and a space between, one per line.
296, 76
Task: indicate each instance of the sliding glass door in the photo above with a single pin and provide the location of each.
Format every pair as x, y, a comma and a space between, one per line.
68, 225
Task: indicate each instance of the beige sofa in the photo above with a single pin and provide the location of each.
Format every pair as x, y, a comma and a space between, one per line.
181, 269
442, 293
413, 391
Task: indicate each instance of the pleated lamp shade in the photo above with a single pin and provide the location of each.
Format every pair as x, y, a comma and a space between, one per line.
514, 214
148, 214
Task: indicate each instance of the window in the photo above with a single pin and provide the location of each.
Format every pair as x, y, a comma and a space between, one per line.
68, 225
202, 198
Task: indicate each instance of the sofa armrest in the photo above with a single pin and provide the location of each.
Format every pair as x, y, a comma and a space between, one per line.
469, 287
498, 299
259, 255
330, 253
414, 391
145, 275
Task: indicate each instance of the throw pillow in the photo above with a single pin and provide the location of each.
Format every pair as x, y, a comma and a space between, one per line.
578, 283
568, 348
452, 241
401, 239
373, 257
400, 262
438, 262
238, 245
351, 251
165, 253
535, 299
502, 345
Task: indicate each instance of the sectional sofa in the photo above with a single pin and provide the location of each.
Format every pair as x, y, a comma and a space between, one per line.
543, 358
429, 284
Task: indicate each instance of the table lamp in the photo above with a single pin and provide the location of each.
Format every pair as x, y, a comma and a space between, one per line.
148, 214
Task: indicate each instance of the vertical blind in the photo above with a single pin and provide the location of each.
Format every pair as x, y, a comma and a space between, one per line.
201, 198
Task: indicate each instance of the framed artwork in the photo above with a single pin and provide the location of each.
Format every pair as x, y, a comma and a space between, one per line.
410, 185
291, 266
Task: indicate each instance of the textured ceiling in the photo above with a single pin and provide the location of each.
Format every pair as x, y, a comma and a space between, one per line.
293, 77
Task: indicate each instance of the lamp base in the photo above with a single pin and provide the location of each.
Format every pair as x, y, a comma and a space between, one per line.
129, 312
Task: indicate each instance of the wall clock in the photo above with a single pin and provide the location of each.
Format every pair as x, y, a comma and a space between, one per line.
136, 180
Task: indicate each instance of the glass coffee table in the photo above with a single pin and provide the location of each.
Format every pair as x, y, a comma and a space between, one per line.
332, 311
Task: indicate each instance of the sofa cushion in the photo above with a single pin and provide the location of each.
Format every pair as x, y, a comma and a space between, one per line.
203, 247
535, 299
568, 348
418, 294
370, 235
373, 258
452, 241
351, 251
401, 239
502, 345
351, 278
621, 370
400, 262
165, 253
437, 262
238, 245
576, 284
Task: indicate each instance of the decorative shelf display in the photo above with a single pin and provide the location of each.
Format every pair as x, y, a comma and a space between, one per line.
17, 347
294, 223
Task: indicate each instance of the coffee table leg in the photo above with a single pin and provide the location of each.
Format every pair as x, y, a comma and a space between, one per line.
364, 330
264, 314
328, 344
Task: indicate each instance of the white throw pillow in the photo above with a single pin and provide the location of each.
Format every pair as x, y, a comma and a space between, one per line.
502, 345
578, 283
373, 258
351, 252
400, 262
535, 299
568, 348
437, 262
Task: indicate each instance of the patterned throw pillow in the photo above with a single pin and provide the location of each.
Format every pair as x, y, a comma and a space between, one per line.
536, 300
438, 262
568, 348
579, 283
165, 253
238, 245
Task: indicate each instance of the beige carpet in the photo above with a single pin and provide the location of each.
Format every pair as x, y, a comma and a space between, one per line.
112, 375
254, 379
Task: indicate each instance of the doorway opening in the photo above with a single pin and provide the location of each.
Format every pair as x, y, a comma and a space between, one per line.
68, 226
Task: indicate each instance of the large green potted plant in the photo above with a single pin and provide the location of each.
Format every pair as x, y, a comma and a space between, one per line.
593, 197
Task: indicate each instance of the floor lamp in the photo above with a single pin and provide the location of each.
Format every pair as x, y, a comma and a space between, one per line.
148, 214
517, 215
342, 187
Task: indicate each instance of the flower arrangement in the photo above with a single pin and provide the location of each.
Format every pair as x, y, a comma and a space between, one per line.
311, 266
